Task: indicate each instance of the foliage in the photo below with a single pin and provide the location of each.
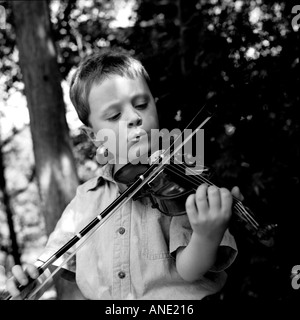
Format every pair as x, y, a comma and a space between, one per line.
242, 56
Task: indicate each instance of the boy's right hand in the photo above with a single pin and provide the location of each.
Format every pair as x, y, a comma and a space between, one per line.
21, 277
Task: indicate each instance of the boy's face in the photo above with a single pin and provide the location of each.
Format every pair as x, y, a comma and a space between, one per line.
123, 105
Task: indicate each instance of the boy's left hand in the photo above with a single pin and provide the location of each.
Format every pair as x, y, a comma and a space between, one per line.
209, 211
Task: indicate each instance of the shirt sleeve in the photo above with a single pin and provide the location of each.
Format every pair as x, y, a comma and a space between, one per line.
180, 235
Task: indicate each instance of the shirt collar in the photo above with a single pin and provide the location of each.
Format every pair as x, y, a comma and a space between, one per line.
105, 173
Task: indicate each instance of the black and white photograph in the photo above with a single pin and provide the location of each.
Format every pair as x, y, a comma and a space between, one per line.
149, 151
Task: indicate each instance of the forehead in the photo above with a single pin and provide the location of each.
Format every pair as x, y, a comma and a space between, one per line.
116, 89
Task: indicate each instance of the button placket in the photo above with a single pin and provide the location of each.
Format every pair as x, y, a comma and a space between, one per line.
121, 257
117, 257
124, 273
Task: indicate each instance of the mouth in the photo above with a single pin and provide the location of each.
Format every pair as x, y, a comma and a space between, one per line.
136, 135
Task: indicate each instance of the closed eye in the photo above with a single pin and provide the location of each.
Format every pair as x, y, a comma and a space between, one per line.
142, 106
114, 117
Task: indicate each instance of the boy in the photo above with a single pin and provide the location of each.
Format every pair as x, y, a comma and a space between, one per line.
139, 253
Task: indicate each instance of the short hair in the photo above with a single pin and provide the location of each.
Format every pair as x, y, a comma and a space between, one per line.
96, 68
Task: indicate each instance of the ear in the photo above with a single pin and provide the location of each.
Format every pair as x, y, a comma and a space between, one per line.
89, 132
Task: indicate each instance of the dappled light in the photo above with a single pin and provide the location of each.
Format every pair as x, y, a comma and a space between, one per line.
241, 56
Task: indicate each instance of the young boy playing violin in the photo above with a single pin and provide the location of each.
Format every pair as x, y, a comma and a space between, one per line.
139, 253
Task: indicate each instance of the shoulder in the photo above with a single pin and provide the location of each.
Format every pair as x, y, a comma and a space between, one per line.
104, 176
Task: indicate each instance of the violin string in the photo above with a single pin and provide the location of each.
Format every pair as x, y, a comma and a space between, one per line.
165, 157
179, 136
168, 150
237, 201
238, 206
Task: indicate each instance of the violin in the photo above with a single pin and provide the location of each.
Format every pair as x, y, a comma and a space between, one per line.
167, 186
170, 187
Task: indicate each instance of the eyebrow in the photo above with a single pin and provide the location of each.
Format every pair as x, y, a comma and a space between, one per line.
140, 96
111, 106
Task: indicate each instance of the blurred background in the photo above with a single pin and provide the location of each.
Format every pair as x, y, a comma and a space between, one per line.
242, 56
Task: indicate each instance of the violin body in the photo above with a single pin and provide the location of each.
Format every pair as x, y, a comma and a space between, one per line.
166, 191
166, 194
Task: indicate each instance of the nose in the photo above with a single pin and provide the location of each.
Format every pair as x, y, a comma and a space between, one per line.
133, 118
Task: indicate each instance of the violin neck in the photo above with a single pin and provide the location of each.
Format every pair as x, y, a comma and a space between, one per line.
244, 213
263, 233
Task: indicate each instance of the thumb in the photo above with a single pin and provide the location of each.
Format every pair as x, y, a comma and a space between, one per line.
237, 193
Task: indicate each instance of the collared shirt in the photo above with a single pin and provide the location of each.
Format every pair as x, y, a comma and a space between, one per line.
132, 255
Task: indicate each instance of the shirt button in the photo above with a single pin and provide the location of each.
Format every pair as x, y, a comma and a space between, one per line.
121, 230
121, 274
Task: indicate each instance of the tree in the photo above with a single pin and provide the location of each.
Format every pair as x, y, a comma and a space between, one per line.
55, 165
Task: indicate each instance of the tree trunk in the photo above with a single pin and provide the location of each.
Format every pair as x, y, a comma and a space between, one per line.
55, 165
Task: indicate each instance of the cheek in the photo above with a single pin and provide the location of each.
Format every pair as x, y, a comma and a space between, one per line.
151, 120
153, 123
96, 125
103, 129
